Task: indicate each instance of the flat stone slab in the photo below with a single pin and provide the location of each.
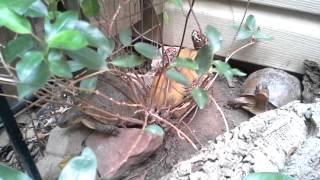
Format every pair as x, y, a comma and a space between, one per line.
67, 141
49, 167
263, 144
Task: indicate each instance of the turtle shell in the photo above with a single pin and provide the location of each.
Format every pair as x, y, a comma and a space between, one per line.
283, 87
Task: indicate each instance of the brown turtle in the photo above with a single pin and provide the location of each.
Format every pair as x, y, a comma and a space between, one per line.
75, 116
267, 89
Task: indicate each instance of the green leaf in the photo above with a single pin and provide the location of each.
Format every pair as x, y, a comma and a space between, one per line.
178, 77
251, 22
267, 176
25, 90
58, 66
237, 72
155, 129
75, 65
52, 5
214, 38
200, 96
90, 7
84, 166
125, 36
67, 39
38, 76
262, 36
37, 9
94, 36
177, 3
14, 22
204, 58
17, 47
184, 62
18, 6
166, 18
61, 21
28, 64
88, 84
88, 57
107, 48
13, 174
244, 34
64, 18
224, 69
127, 61
146, 50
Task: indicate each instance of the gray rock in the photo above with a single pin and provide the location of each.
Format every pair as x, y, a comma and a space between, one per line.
263, 144
199, 176
4, 139
184, 169
305, 162
49, 167
67, 141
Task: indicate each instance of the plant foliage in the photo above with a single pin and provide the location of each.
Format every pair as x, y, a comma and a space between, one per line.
250, 30
267, 176
78, 168
67, 42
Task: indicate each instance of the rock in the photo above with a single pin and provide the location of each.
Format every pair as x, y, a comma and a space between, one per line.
199, 176
263, 144
4, 138
67, 141
24, 118
304, 163
29, 133
184, 169
264, 164
311, 82
114, 161
49, 167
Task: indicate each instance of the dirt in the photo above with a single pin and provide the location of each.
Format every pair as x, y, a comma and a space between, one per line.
205, 126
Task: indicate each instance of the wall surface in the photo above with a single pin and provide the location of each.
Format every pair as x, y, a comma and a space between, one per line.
295, 26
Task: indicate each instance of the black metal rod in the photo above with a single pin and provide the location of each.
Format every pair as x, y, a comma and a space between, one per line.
16, 139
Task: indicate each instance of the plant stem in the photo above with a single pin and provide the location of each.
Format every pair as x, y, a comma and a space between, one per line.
227, 59
185, 25
6, 66
38, 39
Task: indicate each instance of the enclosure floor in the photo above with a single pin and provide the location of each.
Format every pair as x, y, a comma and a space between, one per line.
206, 125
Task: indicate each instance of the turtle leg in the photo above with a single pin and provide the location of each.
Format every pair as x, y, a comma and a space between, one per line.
106, 128
242, 101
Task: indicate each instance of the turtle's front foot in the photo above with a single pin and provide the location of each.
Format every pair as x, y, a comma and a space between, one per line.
107, 129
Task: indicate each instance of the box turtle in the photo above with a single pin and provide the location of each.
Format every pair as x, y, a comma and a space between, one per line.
75, 116
267, 89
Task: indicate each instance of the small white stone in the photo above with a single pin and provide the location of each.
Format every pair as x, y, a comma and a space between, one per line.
184, 169
263, 164
198, 176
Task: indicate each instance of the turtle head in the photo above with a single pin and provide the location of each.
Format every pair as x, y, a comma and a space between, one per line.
255, 103
69, 117
262, 93
199, 40
261, 99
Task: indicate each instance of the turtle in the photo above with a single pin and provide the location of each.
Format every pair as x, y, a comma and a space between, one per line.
75, 115
267, 89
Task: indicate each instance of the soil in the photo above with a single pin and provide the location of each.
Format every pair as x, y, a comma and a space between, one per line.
205, 126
